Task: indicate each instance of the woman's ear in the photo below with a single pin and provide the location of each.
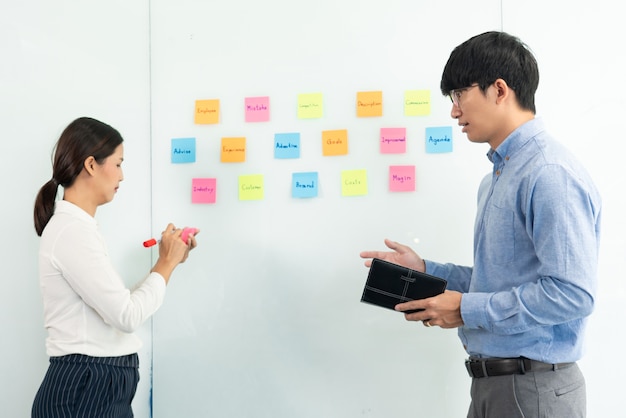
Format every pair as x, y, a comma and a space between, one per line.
89, 165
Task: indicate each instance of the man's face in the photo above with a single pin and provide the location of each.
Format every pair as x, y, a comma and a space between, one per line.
487, 116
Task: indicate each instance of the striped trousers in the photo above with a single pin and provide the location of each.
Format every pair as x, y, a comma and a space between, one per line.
77, 385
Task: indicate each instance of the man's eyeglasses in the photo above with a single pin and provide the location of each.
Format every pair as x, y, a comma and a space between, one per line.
455, 95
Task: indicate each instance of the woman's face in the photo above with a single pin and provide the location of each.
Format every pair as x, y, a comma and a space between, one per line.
110, 175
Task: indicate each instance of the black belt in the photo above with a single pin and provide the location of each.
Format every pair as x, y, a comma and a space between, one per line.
479, 367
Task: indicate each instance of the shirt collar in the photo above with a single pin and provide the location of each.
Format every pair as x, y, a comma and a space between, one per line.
516, 140
63, 206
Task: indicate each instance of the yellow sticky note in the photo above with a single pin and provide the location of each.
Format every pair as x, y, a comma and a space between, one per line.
251, 187
335, 142
417, 102
310, 106
353, 182
233, 150
207, 112
369, 103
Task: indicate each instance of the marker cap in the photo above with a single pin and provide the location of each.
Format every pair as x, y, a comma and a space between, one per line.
150, 242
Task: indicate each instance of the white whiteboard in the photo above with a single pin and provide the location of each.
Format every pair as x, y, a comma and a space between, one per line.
265, 320
226, 350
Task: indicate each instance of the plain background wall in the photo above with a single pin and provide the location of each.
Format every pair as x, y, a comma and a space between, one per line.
301, 349
62, 60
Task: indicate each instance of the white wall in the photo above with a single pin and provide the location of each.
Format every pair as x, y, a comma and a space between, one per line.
264, 319
62, 60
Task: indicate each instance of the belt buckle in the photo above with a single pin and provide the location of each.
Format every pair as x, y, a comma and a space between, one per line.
475, 372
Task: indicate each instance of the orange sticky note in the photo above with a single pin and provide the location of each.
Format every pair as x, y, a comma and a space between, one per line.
207, 112
369, 103
335, 142
233, 150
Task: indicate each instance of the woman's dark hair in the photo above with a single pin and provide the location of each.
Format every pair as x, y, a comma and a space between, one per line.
485, 58
83, 138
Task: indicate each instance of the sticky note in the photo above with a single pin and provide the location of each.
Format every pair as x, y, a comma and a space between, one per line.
251, 187
257, 109
417, 102
304, 185
233, 150
335, 142
203, 190
439, 140
402, 178
287, 145
353, 182
207, 112
310, 106
369, 103
183, 150
392, 140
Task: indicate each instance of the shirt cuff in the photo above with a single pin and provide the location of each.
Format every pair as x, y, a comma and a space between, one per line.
435, 269
474, 310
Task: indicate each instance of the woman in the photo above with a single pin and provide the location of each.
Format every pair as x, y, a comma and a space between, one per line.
89, 314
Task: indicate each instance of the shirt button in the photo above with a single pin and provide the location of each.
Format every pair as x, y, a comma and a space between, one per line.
507, 158
497, 172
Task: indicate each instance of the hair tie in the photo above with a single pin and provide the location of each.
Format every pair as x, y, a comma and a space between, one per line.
54, 181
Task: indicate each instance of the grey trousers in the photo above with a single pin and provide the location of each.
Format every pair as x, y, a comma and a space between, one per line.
543, 394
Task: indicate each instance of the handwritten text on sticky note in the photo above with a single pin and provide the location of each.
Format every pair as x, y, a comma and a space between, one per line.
439, 139
251, 187
353, 182
287, 145
304, 184
233, 150
369, 103
207, 112
203, 190
402, 178
183, 150
392, 140
417, 102
335, 142
310, 106
257, 109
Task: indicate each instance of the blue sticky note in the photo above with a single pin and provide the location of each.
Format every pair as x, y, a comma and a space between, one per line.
287, 145
304, 184
183, 150
439, 139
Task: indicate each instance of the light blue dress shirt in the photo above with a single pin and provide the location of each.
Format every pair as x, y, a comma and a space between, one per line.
536, 239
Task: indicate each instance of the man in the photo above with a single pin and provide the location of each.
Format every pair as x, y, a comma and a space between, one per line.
521, 309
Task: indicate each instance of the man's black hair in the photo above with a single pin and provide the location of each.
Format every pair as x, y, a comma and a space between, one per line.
487, 57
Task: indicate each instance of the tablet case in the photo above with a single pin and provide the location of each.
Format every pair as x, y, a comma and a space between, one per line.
389, 284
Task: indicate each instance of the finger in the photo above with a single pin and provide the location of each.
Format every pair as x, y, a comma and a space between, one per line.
396, 246
170, 228
192, 242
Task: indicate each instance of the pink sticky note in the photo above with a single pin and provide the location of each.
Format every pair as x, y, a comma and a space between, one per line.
392, 140
257, 109
402, 178
203, 190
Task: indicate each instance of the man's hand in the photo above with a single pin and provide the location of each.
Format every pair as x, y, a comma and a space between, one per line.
443, 310
401, 255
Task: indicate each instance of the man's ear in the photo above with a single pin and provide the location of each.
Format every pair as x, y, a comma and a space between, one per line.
503, 91
89, 165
